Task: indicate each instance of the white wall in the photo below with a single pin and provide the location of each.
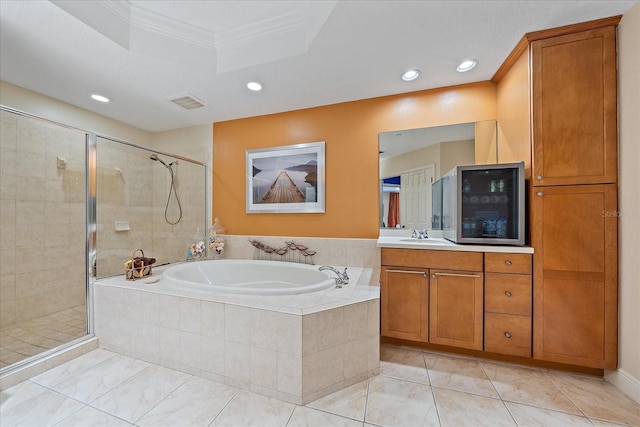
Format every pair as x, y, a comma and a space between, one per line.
40, 105
627, 377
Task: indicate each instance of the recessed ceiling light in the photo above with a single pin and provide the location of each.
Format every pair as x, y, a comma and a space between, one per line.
100, 98
254, 86
410, 75
467, 65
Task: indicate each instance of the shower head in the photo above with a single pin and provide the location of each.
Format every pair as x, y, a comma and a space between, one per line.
155, 158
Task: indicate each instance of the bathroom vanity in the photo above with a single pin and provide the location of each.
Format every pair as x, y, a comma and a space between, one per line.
461, 296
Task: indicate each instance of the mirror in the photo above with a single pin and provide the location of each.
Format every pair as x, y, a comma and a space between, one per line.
411, 160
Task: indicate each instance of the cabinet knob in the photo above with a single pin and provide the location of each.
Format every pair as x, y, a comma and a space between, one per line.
507, 334
508, 262
539, 177
433, 276
539, 194
508, 294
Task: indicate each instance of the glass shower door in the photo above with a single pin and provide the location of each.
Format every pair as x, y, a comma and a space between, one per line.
42, 236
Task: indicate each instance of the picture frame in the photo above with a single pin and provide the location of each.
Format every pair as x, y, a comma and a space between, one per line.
286, 179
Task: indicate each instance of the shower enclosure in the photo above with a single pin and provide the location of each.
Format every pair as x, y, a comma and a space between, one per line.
73, 207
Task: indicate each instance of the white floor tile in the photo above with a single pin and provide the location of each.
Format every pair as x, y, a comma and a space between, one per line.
416, 389
94, 382
91, 417
394, 402
136, 396
404, 364
528, 386
598, 399
250, 409
459, 374
458, 409
349, 402
307, 417
73, 367
537, 417
196, 403
18, 394
45, 409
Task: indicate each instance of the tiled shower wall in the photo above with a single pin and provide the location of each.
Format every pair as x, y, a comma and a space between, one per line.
42, 219
123, 193
132, 188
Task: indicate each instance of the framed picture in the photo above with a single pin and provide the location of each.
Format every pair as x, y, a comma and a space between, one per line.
287, 179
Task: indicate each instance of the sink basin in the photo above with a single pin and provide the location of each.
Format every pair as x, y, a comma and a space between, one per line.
428, 241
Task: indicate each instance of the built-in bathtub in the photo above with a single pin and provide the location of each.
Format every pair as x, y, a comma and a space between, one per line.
250, 277
294, 347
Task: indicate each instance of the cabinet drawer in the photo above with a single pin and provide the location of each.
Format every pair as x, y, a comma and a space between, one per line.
507, 334
507, 263
449, 260
507, 293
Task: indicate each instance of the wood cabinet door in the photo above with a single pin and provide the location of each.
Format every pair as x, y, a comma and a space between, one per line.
574, 108
456, 308
574, 233
404, 303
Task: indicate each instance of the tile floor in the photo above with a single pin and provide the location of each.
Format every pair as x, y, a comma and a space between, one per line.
21, 340
415, 388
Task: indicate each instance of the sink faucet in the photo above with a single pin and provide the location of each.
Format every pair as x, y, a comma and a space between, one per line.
419, 234
342, 279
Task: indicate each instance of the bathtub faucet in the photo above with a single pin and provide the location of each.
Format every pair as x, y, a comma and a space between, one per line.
342, 279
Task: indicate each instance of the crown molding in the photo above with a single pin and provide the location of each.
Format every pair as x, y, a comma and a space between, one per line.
158, 23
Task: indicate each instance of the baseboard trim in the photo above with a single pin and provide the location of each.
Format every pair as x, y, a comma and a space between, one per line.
624, 382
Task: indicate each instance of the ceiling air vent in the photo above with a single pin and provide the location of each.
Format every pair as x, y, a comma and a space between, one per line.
187, 101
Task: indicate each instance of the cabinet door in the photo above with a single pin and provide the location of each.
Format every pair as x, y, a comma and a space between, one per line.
455, 309
574, 109
574, 232
404, 303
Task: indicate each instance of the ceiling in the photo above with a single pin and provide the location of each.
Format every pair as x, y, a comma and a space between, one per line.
142, 53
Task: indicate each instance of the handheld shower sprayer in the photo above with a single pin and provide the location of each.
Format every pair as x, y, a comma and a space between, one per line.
173, 189
155, 158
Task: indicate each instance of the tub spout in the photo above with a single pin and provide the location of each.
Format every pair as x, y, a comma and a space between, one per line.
341, 279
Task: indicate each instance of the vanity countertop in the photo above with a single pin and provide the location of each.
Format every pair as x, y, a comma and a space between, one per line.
440, 244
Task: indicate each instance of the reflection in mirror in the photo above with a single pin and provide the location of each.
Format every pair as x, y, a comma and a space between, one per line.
411, 160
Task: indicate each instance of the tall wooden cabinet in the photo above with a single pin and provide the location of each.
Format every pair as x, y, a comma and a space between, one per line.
574, 108
572, 188
575, 274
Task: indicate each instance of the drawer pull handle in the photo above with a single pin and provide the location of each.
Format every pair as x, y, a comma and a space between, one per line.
539, 194
454, 275
408, 272
508, 262
507, 334
539, 177
508, 294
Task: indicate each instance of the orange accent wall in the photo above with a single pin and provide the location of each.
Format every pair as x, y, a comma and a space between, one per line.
350, 131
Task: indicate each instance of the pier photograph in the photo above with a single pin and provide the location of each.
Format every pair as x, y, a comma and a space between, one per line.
286, 179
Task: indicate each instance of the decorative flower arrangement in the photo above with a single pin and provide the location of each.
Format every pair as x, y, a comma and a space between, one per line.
216, 239
217, 245
197, 250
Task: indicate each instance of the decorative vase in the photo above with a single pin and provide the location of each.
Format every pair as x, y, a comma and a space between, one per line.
216, 240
